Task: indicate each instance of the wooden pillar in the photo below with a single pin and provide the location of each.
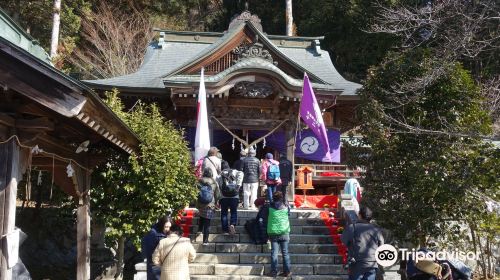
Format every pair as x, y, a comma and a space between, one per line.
290, 155
12, 164
83, 226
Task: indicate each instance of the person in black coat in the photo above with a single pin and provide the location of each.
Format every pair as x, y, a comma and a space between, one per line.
149, 242
286, 172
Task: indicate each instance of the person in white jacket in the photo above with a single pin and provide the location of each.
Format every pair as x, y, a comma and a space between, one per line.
174, 254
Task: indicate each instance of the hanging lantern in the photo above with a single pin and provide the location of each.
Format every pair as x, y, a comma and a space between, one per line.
232, 145
264, 143
69, 170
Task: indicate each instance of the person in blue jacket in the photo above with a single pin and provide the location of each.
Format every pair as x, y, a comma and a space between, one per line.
150, 241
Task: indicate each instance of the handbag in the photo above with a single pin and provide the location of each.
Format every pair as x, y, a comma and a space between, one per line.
170, 250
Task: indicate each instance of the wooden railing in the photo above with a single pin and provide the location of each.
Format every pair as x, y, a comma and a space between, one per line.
320, 169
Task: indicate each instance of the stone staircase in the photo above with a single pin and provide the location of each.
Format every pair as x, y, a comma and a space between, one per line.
234, 257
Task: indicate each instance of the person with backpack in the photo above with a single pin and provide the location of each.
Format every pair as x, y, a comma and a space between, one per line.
208, 195
229, 182
278, 230
271, 175
149, 242
362, 240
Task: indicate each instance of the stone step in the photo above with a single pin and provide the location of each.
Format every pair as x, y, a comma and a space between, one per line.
245, 238
294, 213
294, 258
252, 248
259, 277
265, 258
262, 269
216, 258
242, 220
313, 230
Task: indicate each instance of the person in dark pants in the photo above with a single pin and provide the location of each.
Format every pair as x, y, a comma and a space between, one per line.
286, 172
278, 229
149, 242
207, 211
362, 239
251, 171
271, 183
229, 201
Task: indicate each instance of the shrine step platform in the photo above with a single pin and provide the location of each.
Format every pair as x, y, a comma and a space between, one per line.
315, 249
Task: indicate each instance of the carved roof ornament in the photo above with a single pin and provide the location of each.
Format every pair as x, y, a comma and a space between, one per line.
253, 89
244, 17
253, 50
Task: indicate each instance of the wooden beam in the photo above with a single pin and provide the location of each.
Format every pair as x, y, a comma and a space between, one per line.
39, 88
83, 228
41, 123
12, 165
7, 120
56, 146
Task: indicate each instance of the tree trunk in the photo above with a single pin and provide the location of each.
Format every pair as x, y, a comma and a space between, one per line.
55, 28
121, 252
289, 18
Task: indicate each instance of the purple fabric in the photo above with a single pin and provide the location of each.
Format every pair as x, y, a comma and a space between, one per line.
311, 115
307, 144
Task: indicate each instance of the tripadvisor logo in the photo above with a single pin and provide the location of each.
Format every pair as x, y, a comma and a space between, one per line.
386, 255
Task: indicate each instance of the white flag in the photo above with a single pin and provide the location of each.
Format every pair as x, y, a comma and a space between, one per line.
202, 139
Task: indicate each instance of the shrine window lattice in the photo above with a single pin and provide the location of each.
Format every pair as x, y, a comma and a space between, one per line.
221, 64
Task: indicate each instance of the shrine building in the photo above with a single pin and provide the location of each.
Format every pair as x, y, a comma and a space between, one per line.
254, 85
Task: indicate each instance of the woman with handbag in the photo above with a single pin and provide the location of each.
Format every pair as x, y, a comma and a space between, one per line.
174, 254
150, 241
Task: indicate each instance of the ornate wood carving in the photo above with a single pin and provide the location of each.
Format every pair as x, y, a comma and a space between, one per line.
253, 50
253, 89
243, 17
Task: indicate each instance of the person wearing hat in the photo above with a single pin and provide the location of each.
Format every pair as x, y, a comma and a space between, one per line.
213, 162
362, 240
270, 182
251, 172
238, 164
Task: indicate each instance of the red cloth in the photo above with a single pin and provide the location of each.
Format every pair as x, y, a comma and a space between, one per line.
333, 225
358, 195
185, 220
332, 174
317, 201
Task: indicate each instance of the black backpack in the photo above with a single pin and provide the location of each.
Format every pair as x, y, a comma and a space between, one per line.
229, 187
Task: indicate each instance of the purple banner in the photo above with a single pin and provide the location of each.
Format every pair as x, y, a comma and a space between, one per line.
307, 145
311, 115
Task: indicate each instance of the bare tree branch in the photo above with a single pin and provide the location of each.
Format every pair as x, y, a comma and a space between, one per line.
114, 42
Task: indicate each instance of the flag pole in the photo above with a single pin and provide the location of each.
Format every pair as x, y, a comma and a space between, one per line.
305, 204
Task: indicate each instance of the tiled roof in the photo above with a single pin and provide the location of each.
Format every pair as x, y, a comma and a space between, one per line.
13, 33
163, 63
249, 63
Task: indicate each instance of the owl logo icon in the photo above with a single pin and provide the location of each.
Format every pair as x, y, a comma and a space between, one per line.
309, 145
